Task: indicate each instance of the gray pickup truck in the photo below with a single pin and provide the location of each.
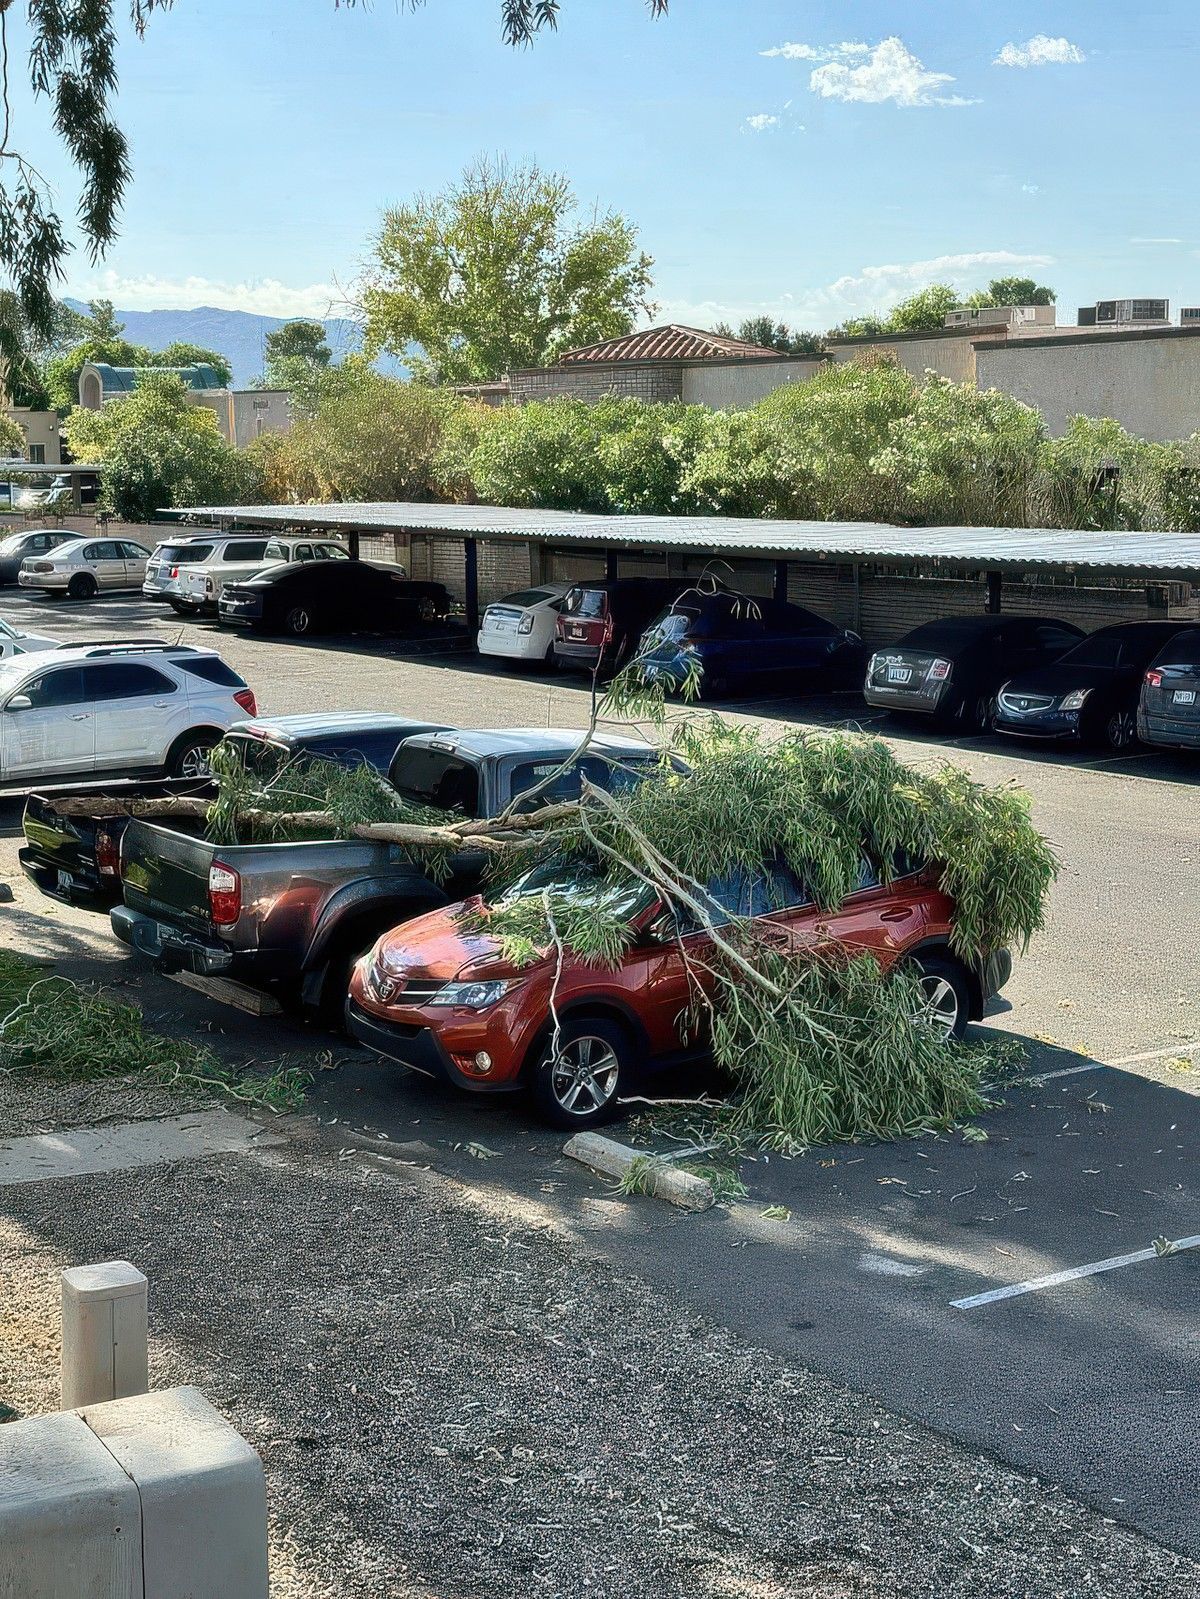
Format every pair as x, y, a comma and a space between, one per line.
293, 918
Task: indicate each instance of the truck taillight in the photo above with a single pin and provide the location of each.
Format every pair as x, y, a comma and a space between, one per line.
939, 671
245, 698
108, 855
1154, 678
174, 572
224, 894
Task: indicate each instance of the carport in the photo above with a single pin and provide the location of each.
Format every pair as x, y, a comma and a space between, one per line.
880, 580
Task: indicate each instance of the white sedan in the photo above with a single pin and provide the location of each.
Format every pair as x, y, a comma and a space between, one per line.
13, 642
520, 627
83, 567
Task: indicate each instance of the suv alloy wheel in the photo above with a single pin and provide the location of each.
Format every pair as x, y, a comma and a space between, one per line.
578, 1074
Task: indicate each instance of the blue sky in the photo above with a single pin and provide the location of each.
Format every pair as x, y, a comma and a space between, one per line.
885, 148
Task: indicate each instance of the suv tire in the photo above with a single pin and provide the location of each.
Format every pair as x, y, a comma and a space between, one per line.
575, 1085
947, 994
187, 757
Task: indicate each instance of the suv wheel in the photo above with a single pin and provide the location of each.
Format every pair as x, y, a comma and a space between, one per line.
189, 756
1120, 730
578, 1075
298, 621
82, 586
947, 998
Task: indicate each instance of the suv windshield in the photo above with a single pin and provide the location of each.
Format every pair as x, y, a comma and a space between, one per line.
586, 883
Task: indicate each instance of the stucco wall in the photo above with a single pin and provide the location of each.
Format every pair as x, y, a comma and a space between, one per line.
1150, 386
258, 411
40, 428
950, 356
730, 384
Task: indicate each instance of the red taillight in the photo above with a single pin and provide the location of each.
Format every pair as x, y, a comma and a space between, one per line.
224, 894
108, 856
1154, 678
608, 628
939, 671
174, 572
245, 698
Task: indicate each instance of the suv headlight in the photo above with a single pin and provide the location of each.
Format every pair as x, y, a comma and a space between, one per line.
473, 996
1074, 700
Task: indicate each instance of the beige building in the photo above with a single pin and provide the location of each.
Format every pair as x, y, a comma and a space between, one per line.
1147, 379
242, 414
42, 441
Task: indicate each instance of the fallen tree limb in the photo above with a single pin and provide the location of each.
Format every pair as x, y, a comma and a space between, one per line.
97, 806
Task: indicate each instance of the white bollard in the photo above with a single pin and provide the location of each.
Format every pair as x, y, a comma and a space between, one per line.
104, 1353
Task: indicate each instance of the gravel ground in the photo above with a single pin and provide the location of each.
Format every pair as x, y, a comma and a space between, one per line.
33, 1104
455, 1400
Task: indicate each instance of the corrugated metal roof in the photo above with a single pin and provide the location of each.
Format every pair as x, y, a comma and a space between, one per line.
671, 343
1154, 555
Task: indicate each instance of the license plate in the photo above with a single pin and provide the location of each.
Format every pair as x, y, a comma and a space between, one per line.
899, 674
1185, 696
65, 883
577, 630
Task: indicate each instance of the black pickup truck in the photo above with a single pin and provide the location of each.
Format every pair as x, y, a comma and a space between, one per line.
292, 918
77, 858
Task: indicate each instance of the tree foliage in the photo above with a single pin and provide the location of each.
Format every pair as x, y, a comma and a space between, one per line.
12, 436
773, 335
160, 450
926, 309
294, 356
499, 272
1013, 291
99, 337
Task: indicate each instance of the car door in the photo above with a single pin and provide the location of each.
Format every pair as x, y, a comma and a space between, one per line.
54, 733
104, 560
874, 920
133, 704
135, 558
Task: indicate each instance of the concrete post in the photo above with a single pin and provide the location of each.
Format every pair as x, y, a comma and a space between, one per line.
104, 1354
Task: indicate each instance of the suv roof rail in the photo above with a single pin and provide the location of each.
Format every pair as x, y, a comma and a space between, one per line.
132, 646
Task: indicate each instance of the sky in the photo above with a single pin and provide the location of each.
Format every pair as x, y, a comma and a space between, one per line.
809, 160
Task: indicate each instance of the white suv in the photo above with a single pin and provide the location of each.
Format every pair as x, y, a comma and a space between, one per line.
91, 708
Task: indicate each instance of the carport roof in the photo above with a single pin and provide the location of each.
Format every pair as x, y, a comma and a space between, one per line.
1150, 555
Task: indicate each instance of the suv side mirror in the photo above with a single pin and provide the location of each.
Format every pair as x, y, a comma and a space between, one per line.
663, 928
19, 702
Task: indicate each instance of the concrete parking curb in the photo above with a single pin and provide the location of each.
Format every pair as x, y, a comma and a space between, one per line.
644, 1173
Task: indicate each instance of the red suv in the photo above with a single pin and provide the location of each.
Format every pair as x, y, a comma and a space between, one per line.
437, 997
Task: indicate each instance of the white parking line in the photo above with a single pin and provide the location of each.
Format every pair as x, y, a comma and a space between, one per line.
1157, 1054
1075, 1272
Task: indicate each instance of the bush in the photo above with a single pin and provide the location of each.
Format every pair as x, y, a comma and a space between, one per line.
1155, 488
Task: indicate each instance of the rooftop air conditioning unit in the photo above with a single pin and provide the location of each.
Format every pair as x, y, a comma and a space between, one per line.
1111, 313
1189, 316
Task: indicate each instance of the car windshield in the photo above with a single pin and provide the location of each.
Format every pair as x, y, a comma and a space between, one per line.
524, 598
672, 626
13, 543
183, 554
586, 883
1099, 649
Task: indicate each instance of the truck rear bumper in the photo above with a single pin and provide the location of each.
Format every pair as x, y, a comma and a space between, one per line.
76, 886
170, 947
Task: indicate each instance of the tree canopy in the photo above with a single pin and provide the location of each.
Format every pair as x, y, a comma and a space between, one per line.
927, 308
499, 272
100, 337
773, 335
1013, 291
294, 355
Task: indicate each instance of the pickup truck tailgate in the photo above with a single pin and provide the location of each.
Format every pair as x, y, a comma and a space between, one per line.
165, 872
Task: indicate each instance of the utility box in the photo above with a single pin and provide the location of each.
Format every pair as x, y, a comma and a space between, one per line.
151, 1497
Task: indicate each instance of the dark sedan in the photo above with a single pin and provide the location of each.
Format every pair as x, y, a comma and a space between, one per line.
1091, 695
952, 670
1169, 708
15, 548
735, 639
333, 596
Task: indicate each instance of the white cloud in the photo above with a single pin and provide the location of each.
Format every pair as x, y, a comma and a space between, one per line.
1137, 240
760, 122
890, 71
818, 52
1031, 188
873, 288
1040, 51
265, 296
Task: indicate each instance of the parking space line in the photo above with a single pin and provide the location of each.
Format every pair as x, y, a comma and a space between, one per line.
1069, 1071
1174, 1247
1157, 1054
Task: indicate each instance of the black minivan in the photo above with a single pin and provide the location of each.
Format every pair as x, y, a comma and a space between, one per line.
1169, 707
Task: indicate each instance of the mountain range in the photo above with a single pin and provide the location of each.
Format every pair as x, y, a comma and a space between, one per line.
237, 335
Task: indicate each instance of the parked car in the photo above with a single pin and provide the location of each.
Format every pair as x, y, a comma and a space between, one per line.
14, 642
84, 567
292, 918
520, 627
115, 707
443, 999
1169, 705
600, 623
202, 582
77, 858
952, 670
1090, 695
17, 547
739, 640
329, 596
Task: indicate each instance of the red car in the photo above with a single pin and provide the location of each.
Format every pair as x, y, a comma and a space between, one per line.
443, 1000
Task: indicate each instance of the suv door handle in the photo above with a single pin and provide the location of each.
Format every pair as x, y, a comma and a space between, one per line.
83, 716
895, 916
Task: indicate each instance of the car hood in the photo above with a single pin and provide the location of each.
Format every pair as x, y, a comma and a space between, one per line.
1060, 679
437, 945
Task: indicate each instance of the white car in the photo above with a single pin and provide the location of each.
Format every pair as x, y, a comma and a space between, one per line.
84, 567
14, 642
200, 583
91, 708
520, 627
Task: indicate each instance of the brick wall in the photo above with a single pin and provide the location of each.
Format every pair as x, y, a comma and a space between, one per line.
653, 381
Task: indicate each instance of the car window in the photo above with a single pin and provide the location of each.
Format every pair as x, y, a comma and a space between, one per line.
435, 777
1098, 649
40, 541
1052, 637
330, 552
356, 749
212, 670
568, 784
275, 551
126, 680
183, 554
303, 552
107, 551
585, 602
134, 552
245, 550
64, 686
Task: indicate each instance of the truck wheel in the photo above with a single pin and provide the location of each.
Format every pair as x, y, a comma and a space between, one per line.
577, 1076
298, 621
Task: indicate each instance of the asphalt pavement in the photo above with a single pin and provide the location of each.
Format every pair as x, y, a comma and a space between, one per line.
1090, 1381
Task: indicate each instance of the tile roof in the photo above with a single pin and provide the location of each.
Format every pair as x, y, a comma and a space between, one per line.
671, 343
